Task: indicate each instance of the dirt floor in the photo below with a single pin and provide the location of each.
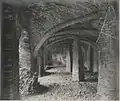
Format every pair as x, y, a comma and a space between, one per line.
57, 85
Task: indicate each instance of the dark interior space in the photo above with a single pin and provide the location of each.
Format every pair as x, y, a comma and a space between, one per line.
59, 50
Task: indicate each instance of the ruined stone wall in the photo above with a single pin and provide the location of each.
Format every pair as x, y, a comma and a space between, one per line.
24, 62
107, 82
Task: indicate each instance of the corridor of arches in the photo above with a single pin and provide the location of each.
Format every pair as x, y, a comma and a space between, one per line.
59, 51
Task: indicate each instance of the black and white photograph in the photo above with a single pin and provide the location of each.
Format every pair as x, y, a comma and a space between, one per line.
59, 50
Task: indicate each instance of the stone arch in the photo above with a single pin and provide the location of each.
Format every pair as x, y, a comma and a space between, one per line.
65, 38
52, 31
72, 36
80, 32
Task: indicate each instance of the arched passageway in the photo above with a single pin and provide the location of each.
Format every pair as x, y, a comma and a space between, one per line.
61, 80
61, 26
89, 36
75, 34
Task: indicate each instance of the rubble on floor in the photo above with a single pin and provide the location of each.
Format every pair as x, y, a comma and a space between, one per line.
58, 85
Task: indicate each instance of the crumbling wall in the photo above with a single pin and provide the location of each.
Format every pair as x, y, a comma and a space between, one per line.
107, 82
24, 62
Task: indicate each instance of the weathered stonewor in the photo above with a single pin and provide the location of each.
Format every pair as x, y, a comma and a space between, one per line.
40, 63
95, 61
25, 56
47, 16
107, 82
69, 59
10, 68
78, 65
24, 62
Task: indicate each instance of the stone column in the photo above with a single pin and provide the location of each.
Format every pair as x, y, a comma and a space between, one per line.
45, 56
84, 54
78, 67
91, 59
95, 61
40, 62
88, 58
49, 59
24, 51
107, 75
107, 79
69, 59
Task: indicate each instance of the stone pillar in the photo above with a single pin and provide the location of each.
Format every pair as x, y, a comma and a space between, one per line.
40, 62
88, 58
49, 59
34, 65
95, 61
107, 75
84, 54
91, 59
45, 57
107, 79
24, 51
69, 59
78, 66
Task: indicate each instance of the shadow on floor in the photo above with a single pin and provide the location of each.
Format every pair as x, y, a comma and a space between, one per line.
91, 77
48, 67
56, 73
49, 73
42, 89
91, 80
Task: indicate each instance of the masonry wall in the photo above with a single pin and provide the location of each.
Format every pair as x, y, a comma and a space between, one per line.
24, 62
107, 81
0, 47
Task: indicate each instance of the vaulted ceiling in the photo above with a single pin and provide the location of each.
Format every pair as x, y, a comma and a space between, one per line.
55, 19
68, 2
